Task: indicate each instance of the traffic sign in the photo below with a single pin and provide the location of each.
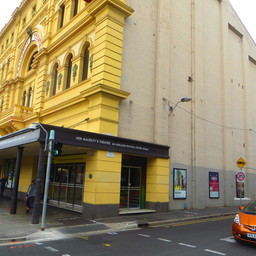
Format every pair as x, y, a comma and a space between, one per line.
240, 177
241, 163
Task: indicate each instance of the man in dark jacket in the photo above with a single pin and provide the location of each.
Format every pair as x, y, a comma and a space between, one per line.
3, 182
31, 194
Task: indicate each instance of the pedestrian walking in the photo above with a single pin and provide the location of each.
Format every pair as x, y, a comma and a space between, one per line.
3, 182
31, 194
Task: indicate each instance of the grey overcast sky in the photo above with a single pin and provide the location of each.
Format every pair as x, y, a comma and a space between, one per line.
244, 8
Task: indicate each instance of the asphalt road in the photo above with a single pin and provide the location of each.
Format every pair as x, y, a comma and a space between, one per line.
202, 237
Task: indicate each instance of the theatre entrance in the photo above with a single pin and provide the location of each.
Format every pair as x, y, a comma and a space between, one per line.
130, 187
133, 182
66, 186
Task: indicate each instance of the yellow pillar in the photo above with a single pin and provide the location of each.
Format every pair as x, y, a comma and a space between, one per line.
157, 184
102, 184
104, 95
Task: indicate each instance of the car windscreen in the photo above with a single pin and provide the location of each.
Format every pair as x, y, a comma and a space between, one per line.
250, 208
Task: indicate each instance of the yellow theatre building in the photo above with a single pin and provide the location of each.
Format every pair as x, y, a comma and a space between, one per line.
60, 70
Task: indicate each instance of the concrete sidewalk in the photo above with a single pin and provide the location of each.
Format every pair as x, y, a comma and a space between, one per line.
62, 224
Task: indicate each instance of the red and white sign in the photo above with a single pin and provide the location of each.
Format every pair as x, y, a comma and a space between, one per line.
240, 176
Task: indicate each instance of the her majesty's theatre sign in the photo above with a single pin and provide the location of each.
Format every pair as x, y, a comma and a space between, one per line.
84, 139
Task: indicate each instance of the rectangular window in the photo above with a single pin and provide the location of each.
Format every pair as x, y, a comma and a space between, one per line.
75, 3
24, 22
240, 180
61, 17
33, 10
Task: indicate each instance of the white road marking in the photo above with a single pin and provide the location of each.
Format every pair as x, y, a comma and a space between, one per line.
188, 245
51, 249
164, 240
215, 252
143, 235
229, 239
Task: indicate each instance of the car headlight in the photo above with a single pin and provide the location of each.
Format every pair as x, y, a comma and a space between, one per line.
237, 219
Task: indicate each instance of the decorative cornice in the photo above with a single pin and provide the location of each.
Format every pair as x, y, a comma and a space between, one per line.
101, 88
97, 5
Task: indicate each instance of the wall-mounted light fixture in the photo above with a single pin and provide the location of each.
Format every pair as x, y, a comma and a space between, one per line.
171, 108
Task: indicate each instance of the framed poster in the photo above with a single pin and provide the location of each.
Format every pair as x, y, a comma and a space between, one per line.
214, 191
179, 183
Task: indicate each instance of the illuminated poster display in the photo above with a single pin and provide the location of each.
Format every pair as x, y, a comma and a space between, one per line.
179, 183
214, 185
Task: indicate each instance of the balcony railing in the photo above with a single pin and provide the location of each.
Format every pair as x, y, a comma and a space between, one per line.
15, 112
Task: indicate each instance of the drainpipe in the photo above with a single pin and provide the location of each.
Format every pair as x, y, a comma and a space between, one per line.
193, 131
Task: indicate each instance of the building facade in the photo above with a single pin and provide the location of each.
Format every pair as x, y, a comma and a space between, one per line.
108, 77
61, 65
201, 50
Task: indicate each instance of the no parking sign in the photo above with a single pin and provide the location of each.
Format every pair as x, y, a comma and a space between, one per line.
240, 176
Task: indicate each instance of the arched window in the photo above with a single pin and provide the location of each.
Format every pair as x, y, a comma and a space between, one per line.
29, 97
69, 71
75, 7
31, 60
54, 79
85, 63
24, 97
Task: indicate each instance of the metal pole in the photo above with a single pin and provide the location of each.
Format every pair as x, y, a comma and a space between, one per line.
47, 178
40, 177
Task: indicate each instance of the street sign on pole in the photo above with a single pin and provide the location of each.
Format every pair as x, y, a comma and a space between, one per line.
241, 163
240, 176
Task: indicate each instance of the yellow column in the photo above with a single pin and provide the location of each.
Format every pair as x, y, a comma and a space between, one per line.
102, 184
109, 29
157, 184
104, 95
39, 90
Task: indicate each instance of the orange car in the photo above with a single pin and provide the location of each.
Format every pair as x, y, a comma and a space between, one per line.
244, 225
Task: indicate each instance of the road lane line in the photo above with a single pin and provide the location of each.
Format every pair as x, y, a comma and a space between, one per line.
188, 245
215, 252
164, 240
51, 249
201, 221
229, 239
143, 235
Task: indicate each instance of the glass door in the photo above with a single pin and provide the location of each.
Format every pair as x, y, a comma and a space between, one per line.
130, 187
66, 185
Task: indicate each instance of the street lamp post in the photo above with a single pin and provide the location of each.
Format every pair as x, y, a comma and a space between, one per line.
49, 145
33, 126
171, 108
47, 178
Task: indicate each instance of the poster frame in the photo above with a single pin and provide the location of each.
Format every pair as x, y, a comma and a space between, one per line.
179, 194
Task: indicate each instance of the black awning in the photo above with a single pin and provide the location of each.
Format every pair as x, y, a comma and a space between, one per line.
85, 139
